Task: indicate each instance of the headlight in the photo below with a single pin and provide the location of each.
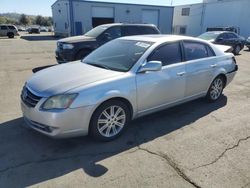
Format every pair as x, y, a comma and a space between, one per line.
59, 101
248, 39
68, 46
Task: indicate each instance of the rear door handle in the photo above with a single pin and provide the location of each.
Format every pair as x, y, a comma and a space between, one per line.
181, 73
214, 65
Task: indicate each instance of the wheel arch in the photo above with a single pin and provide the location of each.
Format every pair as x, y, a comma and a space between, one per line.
119, 98
124, 100
223, 75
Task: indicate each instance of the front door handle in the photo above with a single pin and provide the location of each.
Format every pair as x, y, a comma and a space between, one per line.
214, 65
181, 73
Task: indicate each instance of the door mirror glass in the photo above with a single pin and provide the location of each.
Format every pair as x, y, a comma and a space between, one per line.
107, 37
150, 66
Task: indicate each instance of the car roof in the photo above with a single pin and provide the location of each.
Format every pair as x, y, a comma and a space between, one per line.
7, 25
161, 38
220, 32
127, 24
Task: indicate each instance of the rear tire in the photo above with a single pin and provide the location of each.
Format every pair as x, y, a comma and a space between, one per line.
237, 49
216, 88
10, 35
109, 120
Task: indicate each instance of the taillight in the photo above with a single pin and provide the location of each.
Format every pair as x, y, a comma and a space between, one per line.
234, 60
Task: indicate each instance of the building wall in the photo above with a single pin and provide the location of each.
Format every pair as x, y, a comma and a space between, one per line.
228, 13
61, 17
214, 13
123, 13
191, 22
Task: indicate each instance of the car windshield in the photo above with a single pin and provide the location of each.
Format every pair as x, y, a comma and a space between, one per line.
118, 55
95, 32
208, 36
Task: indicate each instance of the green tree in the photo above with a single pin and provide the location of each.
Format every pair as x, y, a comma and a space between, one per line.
24, 19
3, 20
39, 20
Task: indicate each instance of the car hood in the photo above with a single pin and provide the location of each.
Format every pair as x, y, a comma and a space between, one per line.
62, 78
75, 39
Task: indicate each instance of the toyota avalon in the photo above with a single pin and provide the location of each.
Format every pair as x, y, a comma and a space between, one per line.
122, 80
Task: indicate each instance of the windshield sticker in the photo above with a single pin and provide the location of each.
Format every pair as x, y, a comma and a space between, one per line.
142, 44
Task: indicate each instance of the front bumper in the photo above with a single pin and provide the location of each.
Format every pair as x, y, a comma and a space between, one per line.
59, 123
64, 56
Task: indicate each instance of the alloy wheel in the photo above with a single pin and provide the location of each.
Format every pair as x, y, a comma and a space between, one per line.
111, 121
216, 89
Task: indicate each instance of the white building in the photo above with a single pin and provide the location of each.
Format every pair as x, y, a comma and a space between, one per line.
212, 13
188, 19
75, 17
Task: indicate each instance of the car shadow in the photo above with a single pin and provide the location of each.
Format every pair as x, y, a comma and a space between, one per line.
30, 158
34, 70
38, 37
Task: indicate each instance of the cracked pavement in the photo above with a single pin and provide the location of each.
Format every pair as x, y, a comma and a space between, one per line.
196, 144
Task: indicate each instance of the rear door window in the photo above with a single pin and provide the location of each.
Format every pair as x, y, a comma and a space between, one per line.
168, 54
147, 30
130, 30
196, 50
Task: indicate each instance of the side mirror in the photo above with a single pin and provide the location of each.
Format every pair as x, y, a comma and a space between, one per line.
150, 66
219, 40
107, 37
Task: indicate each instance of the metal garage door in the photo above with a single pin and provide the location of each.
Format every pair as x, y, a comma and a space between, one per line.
102, 12
102, 15
150, 17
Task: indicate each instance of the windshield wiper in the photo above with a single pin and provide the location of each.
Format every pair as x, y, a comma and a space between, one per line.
100, 66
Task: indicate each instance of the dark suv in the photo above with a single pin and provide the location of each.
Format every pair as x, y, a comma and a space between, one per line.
75, 48
225, 38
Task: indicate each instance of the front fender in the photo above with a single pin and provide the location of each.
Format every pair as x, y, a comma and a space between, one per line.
95, 95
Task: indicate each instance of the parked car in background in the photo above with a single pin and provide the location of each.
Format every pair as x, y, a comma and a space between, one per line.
248, 43
8, 30
225, 38
232, 29
124, 79
34, 30
75, 48
43, 29
21, 28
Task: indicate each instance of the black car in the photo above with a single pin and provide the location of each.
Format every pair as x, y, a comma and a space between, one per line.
225, 38
232, 29
75, 48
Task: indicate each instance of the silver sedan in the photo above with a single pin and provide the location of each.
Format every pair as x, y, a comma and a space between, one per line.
123, 80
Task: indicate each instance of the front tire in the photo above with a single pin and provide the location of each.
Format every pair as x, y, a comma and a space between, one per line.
215, 89
109, 120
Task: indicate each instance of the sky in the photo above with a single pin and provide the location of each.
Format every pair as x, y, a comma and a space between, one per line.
43, 7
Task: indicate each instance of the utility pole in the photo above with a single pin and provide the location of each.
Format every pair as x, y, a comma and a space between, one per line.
172, 2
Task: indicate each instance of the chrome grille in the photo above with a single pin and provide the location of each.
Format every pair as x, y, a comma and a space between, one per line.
29, 98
